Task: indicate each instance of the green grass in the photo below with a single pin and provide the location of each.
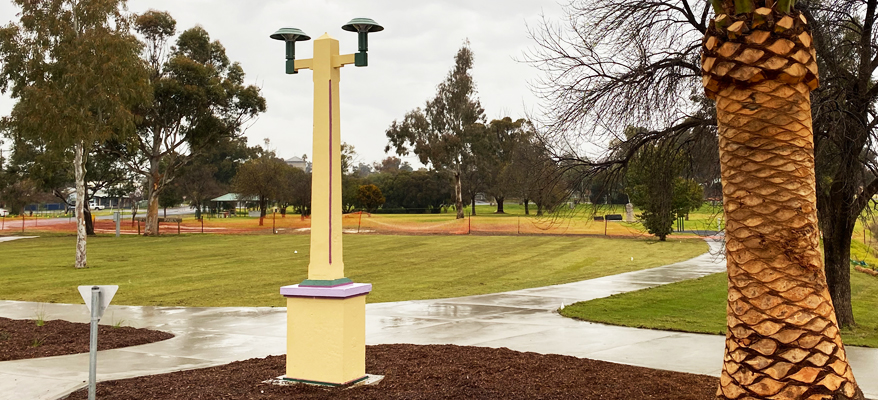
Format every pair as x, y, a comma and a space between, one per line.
699, 305
248, 270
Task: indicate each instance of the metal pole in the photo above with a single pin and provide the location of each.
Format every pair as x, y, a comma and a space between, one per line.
117, 215
360, 222
605, 225
273, 219
202, 224
93, 342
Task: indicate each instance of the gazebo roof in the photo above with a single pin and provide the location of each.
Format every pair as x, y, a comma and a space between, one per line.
233, 197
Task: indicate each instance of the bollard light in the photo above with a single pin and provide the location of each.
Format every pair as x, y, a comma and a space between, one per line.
362, 26
291, 36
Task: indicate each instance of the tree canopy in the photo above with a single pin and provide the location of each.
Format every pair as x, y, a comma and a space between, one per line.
199, 99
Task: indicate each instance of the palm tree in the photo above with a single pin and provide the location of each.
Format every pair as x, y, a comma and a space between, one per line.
783, 339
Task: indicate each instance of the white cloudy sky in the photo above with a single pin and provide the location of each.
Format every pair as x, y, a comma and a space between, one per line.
407, 60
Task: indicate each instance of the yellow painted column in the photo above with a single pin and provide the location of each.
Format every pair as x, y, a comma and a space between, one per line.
327, 263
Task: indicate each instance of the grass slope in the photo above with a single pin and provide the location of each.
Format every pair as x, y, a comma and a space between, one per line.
248, 270
699, 305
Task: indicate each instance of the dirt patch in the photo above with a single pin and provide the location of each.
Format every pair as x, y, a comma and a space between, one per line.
24, 338
429, 372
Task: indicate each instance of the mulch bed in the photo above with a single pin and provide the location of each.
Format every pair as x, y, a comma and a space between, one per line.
428, 372
23, 338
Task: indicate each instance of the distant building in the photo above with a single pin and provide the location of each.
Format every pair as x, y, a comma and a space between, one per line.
299, 163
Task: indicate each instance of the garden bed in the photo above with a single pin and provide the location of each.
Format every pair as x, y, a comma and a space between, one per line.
428, 372
22, 339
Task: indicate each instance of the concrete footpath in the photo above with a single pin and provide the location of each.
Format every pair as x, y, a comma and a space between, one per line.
523, 320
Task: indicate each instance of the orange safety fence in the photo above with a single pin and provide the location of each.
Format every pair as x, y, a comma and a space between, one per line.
12, 224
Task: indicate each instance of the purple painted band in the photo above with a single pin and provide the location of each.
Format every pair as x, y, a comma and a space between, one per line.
335, 292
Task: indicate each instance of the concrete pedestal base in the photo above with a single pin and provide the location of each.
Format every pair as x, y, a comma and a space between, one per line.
326, 333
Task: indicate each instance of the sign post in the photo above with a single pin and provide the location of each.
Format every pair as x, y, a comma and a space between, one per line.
97, 298
117, 216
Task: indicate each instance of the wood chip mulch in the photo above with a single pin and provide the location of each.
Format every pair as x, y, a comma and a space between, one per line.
24, 338
429, 372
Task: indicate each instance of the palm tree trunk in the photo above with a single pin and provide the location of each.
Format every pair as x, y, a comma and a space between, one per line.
782, 339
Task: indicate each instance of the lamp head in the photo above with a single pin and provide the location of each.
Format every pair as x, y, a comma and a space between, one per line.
362, 26
290, 35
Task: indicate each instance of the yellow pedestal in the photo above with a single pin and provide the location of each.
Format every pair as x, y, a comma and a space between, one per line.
326, 339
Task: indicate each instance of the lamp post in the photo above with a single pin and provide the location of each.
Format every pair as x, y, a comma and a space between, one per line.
326, 313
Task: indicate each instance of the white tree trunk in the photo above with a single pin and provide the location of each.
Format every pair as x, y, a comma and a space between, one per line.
152, 213
79, 176
152, 197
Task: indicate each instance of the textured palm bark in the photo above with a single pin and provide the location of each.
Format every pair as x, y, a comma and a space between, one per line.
783, 340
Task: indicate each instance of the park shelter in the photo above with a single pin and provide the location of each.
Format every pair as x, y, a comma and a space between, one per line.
237, 200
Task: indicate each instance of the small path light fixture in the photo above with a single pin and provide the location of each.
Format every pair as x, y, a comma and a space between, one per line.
326, 313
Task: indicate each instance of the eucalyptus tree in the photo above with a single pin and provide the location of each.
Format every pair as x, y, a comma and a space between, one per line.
504, 137
621, 63
441, 134
266, 178
73, 68
199, 98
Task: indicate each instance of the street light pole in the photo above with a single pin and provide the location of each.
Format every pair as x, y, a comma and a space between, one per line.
326, 328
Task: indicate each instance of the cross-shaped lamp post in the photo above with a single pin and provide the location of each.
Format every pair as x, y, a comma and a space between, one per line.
326, 313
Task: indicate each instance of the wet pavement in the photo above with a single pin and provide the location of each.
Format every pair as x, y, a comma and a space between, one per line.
523, 320
11, 238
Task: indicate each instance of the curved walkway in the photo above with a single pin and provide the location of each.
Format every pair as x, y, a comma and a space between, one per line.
523, 320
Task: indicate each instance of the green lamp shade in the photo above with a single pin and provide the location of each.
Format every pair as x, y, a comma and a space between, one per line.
290, 35
363, 25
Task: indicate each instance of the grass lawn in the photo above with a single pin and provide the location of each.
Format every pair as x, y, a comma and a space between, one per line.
699, 305
248, 270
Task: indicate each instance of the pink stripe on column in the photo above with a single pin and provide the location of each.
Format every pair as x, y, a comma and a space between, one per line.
330, 172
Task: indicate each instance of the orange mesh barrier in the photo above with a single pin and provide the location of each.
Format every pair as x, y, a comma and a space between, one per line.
359, 222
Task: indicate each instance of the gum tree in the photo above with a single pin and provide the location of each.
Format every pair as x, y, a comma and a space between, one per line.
73, 68
199, 99
440, 134
782, 341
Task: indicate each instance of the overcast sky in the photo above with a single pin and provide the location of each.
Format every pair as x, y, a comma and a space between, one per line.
406, 61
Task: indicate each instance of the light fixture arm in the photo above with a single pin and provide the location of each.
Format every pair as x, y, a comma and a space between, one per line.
291, 57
